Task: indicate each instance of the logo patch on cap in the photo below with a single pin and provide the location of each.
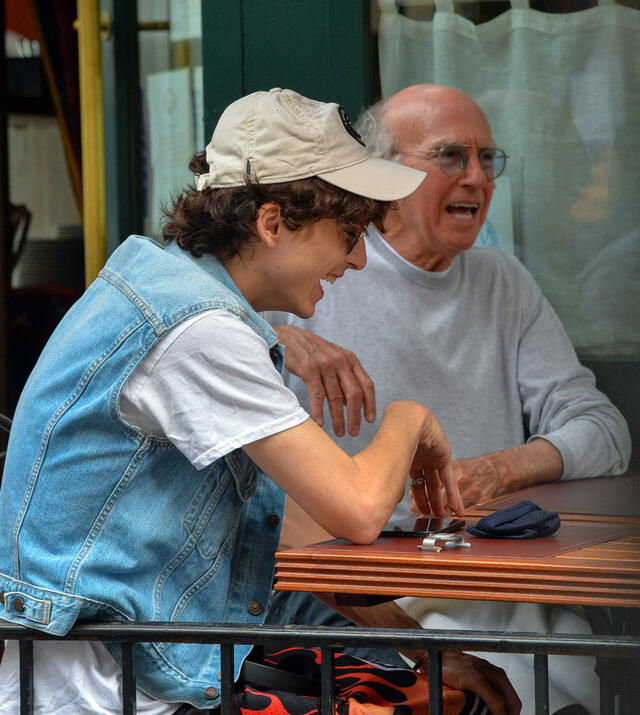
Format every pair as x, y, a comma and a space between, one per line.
346, 121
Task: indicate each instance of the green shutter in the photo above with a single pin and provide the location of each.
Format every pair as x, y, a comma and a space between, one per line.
320, 48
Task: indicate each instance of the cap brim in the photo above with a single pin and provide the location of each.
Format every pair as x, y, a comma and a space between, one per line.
376, 179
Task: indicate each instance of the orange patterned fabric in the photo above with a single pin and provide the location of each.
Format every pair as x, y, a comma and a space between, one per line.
362, 688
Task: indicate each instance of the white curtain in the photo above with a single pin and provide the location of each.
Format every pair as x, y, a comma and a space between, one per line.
562, 93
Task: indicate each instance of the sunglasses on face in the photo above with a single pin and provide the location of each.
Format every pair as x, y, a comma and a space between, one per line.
453, 159
352, 237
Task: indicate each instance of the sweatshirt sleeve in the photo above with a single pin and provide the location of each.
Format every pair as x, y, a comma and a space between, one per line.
559, 396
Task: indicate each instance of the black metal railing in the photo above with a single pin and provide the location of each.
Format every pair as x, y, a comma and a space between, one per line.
614, 649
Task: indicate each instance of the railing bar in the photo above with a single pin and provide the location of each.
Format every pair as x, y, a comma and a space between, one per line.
616, 646
541, 683
26, 677
327, 677
607, 695
226, 678
608, 648
128, 680
435, 682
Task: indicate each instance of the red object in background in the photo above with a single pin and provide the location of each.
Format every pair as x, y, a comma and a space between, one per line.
19, 18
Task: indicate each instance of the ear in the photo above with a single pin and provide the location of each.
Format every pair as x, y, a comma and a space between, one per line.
269, 224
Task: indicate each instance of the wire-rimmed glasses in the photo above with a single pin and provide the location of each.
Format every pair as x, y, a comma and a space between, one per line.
453, 158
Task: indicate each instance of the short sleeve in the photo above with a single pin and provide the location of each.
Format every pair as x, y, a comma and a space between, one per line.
209, 386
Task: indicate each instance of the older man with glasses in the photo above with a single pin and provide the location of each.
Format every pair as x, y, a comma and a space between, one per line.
466, 330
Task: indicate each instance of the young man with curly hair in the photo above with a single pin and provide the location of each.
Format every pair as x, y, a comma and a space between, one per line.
136, 485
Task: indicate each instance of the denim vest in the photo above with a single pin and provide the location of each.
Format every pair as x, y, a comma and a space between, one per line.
100, 521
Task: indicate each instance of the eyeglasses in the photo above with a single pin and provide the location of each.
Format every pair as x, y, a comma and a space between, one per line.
453, 159
353, 237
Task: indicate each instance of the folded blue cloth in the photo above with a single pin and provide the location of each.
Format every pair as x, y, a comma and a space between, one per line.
524, 520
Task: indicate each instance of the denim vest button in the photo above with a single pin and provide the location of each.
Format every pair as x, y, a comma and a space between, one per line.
211, 693
254, 608
274, 356
18, 604
273, 520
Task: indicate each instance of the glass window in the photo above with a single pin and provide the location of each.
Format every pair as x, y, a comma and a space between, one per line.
170, 48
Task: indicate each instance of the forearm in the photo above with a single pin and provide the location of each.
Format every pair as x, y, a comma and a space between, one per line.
394, 445
383, 466
495, 473
429, 456
533, 463
353, 497
290, 336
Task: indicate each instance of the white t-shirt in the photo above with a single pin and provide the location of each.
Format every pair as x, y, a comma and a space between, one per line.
209, 386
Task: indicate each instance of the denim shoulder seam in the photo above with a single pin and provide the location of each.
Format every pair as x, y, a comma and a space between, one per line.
133, 296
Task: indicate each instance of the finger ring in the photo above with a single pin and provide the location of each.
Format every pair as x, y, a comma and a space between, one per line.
413, 481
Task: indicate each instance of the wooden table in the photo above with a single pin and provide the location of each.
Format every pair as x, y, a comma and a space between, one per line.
593, 560
606, 574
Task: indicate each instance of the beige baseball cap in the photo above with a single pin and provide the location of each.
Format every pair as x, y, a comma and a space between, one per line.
279, 136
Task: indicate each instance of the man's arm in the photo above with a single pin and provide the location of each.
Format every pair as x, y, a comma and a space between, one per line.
353, 497
560, 401
575, 430
482, 478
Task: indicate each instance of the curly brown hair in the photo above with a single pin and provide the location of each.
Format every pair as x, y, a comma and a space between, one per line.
221, 221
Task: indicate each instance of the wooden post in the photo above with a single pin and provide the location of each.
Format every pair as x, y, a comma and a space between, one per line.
92, 125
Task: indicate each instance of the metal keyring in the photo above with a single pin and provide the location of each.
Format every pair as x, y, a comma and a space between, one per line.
446, 541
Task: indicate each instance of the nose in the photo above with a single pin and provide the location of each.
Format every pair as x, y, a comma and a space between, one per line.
357, 259
473, 175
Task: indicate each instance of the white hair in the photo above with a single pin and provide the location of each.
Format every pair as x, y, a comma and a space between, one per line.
372, 127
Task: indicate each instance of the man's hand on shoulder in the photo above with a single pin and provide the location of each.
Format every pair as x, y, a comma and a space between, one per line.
331, 373
490, 475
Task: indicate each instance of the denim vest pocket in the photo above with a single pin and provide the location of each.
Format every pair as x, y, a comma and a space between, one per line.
214, 510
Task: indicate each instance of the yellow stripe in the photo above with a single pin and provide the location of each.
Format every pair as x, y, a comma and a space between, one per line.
92, 126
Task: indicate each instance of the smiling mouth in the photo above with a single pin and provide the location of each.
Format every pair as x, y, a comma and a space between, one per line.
463, 211
330, 278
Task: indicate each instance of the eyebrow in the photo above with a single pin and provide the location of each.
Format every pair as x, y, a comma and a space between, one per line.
457, 142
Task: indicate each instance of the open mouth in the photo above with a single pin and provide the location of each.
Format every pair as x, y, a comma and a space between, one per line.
464, 211
330, 278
